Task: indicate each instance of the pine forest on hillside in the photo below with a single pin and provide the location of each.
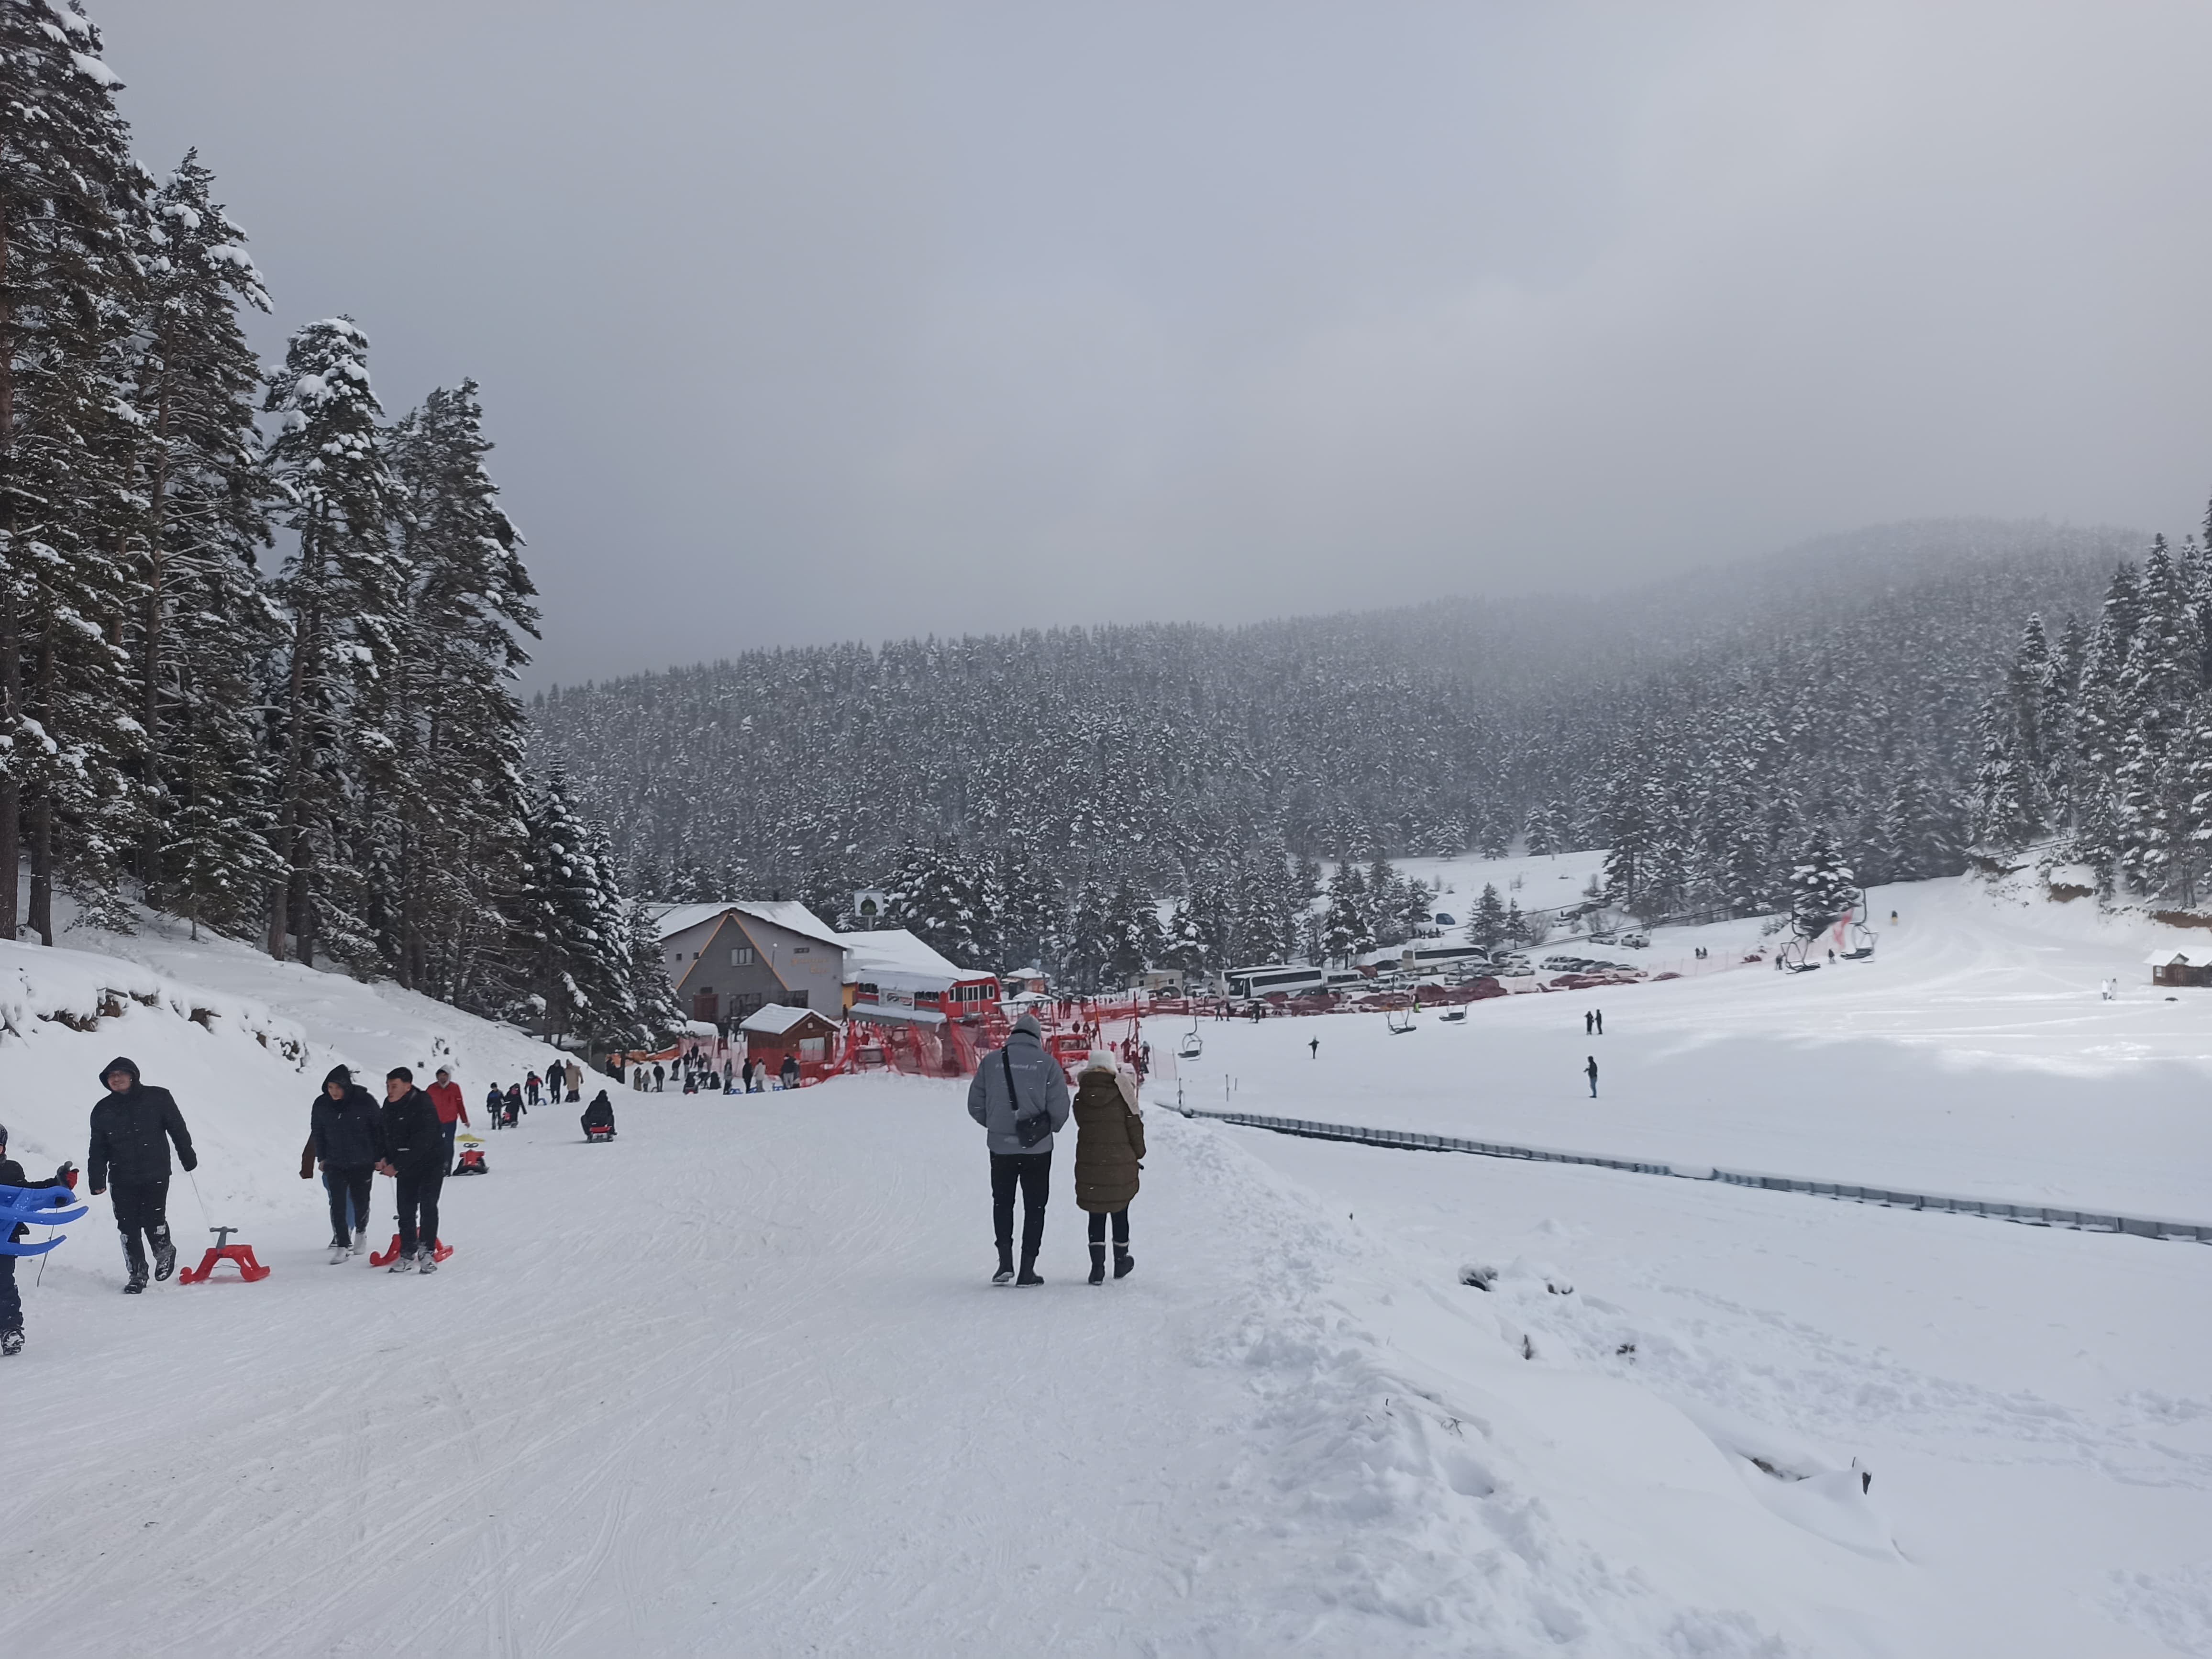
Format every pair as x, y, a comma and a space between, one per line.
322, 752
1029, 796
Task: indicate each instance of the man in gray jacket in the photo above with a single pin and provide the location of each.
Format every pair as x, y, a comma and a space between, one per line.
1013, 1089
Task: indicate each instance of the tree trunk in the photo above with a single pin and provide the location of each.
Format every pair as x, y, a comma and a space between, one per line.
149, 854
42, 810
11, 633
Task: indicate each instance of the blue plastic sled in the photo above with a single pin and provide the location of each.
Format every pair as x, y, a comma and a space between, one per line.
40, 1207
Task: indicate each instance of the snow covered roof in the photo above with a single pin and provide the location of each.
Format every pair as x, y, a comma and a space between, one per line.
884, 1013
2193, 956
788, 913
776, 1019
893, 956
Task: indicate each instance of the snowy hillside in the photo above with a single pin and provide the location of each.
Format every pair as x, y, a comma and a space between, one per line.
736, 1383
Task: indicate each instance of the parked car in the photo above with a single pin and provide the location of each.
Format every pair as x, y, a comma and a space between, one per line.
1635, 942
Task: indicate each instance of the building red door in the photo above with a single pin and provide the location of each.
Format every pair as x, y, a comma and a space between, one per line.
705, 1006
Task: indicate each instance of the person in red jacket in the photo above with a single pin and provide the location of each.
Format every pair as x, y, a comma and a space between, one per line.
452, 1111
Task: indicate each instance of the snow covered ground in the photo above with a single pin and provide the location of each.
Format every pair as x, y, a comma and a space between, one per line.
734, 1383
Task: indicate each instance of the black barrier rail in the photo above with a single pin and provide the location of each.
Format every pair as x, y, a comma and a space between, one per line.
2031, 1215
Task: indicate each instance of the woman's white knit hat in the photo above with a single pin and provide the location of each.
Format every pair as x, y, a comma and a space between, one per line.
1101, 1059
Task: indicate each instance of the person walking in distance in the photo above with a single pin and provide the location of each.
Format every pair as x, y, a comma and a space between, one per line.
1313, 1050
1588, 1017
1110, 1148
532, 1084
345, 1138
132, 1127
414, 1153
575, 1082
659, 1077
787, 1075
1020, 1097
1598, 1014
453, 1110
493, 1100
1591, 1071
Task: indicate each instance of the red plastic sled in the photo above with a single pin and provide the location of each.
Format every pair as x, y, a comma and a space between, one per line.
384, 1258
248, 1268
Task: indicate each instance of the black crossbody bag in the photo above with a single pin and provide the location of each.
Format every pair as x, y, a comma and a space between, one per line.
1027, 1130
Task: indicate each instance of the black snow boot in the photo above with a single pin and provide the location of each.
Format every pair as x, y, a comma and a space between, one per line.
1005, 1273
1029, 1272
134, 1258
165, 1254
11, 1342
1123, 1261
1098, 1264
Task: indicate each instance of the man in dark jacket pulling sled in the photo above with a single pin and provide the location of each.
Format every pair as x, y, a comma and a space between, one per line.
347, 1139
1020, 1097
414, 1157
132, 1128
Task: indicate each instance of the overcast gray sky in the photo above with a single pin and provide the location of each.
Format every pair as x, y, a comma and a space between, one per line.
824, 320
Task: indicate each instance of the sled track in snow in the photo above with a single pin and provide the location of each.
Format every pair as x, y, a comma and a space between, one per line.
2030, 1215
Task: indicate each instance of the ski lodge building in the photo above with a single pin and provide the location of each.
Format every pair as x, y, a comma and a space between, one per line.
891, 975
2190, 966
729, 960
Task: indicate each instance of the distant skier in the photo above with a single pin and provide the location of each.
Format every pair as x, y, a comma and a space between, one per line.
787, 1073
1590, 1069
414, 1156
1313, 1050
131, 1128
1019, 1096
1109, 1151
453, 1110
11, 1303
599, 1116
346, 1136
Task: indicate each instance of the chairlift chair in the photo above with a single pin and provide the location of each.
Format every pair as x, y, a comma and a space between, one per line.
1192, 1045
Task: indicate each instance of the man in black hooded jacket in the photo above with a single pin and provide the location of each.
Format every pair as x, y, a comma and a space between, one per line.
132, 1128
414, 1141
347, 1136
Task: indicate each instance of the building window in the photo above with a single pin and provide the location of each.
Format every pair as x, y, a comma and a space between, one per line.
801, 950
798, 1000
741, 956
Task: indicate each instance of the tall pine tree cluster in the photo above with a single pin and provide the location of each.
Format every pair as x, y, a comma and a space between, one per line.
2097, 746
322, 753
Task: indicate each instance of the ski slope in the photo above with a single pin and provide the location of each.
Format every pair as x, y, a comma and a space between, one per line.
735, 1382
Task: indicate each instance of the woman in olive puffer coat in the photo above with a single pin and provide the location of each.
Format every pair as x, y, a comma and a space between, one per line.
1109, 1140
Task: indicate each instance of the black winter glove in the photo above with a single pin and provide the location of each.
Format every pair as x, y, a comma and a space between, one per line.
192, 1161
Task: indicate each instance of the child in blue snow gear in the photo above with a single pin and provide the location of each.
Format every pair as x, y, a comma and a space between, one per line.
495, 1105
132, 1126
11, 1305
414, 1145
1591, 1069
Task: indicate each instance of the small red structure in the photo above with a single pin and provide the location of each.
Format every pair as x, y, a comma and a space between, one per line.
384, 1258
223, 1250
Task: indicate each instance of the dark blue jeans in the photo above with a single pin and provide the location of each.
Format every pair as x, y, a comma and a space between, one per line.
1030, 1172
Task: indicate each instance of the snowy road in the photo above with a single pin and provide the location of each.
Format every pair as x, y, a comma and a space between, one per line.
735, 1383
